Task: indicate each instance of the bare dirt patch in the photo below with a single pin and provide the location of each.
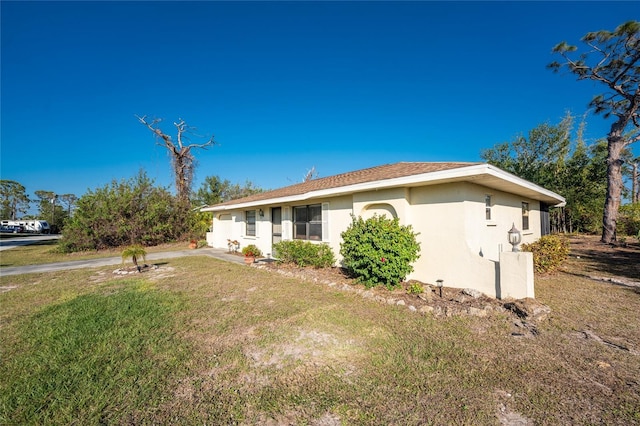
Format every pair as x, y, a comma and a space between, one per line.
615, 263
151, 272
311, 347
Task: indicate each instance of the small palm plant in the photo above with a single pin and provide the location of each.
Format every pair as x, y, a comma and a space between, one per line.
134, 252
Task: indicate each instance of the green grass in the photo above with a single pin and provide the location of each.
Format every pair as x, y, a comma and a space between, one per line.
99, 357
207, 342
45, 252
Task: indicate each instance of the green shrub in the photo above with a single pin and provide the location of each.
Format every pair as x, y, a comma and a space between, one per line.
124, 213
415, 288
379, 250
548, 252
629, 220
305, 253
252, 251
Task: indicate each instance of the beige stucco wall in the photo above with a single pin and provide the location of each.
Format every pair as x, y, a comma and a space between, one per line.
231, 225
458, 245
365, 203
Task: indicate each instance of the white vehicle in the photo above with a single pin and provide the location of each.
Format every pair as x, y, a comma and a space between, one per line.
29, 225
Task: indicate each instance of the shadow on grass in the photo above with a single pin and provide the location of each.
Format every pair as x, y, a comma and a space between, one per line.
44, 243
594, 257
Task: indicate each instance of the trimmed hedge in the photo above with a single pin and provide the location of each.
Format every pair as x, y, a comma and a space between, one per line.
304, 253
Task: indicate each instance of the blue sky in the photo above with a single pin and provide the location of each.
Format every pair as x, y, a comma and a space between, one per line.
283, 86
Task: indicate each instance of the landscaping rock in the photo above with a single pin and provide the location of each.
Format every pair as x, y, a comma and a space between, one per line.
426, 309
476, 312
472, 292
529, 309
427, 296
460, 298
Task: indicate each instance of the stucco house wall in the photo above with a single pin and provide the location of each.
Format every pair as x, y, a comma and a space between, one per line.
459, 244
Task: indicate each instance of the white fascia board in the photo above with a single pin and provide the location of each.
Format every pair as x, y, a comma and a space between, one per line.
499, 173
460, 173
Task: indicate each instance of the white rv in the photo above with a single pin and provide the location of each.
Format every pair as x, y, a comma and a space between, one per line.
29, 225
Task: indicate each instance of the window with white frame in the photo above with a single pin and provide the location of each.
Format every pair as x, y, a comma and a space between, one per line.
487, 207
250, 216
525, 216
307, 222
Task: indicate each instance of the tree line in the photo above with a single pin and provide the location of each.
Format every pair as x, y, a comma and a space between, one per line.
558, 158
54, 208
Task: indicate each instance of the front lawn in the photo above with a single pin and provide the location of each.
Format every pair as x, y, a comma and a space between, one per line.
201, 341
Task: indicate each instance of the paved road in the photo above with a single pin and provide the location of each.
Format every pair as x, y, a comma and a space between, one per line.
94, 263
9, 243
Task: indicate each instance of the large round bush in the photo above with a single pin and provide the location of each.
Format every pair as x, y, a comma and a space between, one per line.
379, 250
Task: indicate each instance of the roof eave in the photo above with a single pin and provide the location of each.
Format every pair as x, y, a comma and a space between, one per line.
476, 171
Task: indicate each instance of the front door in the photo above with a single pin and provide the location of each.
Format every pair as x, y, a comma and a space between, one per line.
276, 228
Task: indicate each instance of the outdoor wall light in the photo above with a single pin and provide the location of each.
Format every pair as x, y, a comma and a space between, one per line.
514, 237
260, 212
439, 283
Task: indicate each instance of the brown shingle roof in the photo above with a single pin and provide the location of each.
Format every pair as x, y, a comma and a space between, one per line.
379, 173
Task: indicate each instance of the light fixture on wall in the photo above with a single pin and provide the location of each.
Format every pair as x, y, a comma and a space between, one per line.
260, 212
514, 237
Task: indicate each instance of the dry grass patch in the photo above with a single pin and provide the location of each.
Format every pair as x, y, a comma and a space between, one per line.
264, 348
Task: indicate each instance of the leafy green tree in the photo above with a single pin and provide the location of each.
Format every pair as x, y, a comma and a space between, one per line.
611, 58
50, 209
14, 200
549, 157
210, 192
69, 201
126, 212
584, 186
538, 157
629, 223
214, 190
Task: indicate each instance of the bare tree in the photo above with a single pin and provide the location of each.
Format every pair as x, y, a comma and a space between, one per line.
311, 174
182, 160
613, 59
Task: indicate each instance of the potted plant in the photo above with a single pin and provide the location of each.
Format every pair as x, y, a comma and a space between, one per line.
193, 244
250, 253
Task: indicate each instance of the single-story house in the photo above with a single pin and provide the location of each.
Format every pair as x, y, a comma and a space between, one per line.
462, 212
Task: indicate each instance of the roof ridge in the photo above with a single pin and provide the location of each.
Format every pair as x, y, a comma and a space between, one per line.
366, 175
